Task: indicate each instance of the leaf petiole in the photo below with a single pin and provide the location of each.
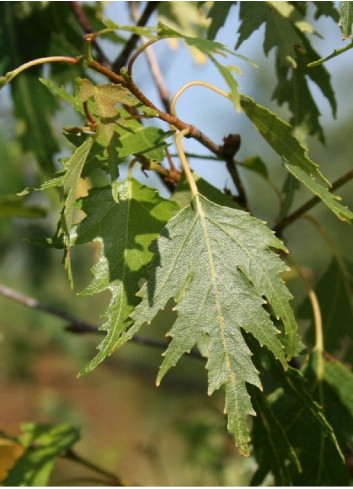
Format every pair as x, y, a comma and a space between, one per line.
335, 53
10, 75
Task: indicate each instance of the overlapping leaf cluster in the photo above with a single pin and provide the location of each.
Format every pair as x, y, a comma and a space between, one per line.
216, 263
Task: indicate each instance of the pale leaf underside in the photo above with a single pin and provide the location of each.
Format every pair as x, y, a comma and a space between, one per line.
217, 264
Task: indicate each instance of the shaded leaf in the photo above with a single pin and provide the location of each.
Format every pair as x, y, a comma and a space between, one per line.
327, 197
70, 181
282, 22
21, 42
217, 264
125, 227
182, 194
294, 155
312, 454
139, 139
326, 8
218, 14
274, 450
43, 444
334, 292
293, 88
290, 186
279, 136
338, 392
255, 164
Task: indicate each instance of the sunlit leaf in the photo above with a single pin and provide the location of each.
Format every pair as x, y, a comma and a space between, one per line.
125, 226
346, 18
334, 291
217, 264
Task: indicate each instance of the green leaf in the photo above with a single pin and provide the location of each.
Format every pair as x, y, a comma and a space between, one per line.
346, 18
293, 88
105, 97
125, 227
184, 17
74, 166
209, 48
217, 264
63, 94
43, 444
338, 392
290, 186
302, 436
255, 164
327, 197
326, 8
206, 46
182, 194
283, 23
274, 450
218, 13
34, 106
138, 139
279, 136
334, 292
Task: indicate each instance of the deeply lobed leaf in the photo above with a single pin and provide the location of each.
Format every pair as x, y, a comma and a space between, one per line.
279, 136
124, 225
217, 264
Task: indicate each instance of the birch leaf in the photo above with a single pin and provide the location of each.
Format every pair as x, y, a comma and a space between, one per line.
217, 264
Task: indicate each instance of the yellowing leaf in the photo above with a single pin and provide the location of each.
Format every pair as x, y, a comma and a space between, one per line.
10, 451
105, 97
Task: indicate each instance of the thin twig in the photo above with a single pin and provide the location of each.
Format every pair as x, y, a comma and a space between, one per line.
310, 204
152, 60
86, 26
74, 457
131, 43
77, 325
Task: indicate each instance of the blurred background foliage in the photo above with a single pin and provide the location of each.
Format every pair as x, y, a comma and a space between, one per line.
173, 435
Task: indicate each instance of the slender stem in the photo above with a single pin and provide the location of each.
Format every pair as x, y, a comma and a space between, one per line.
76, 325
340, 261
230, 162
153, 63
184, 162
137, 54
74, 457
319, 336
86, 26
311, 203
131, 43
39, 61
192, 84
335, 53
89, 116
107, 72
